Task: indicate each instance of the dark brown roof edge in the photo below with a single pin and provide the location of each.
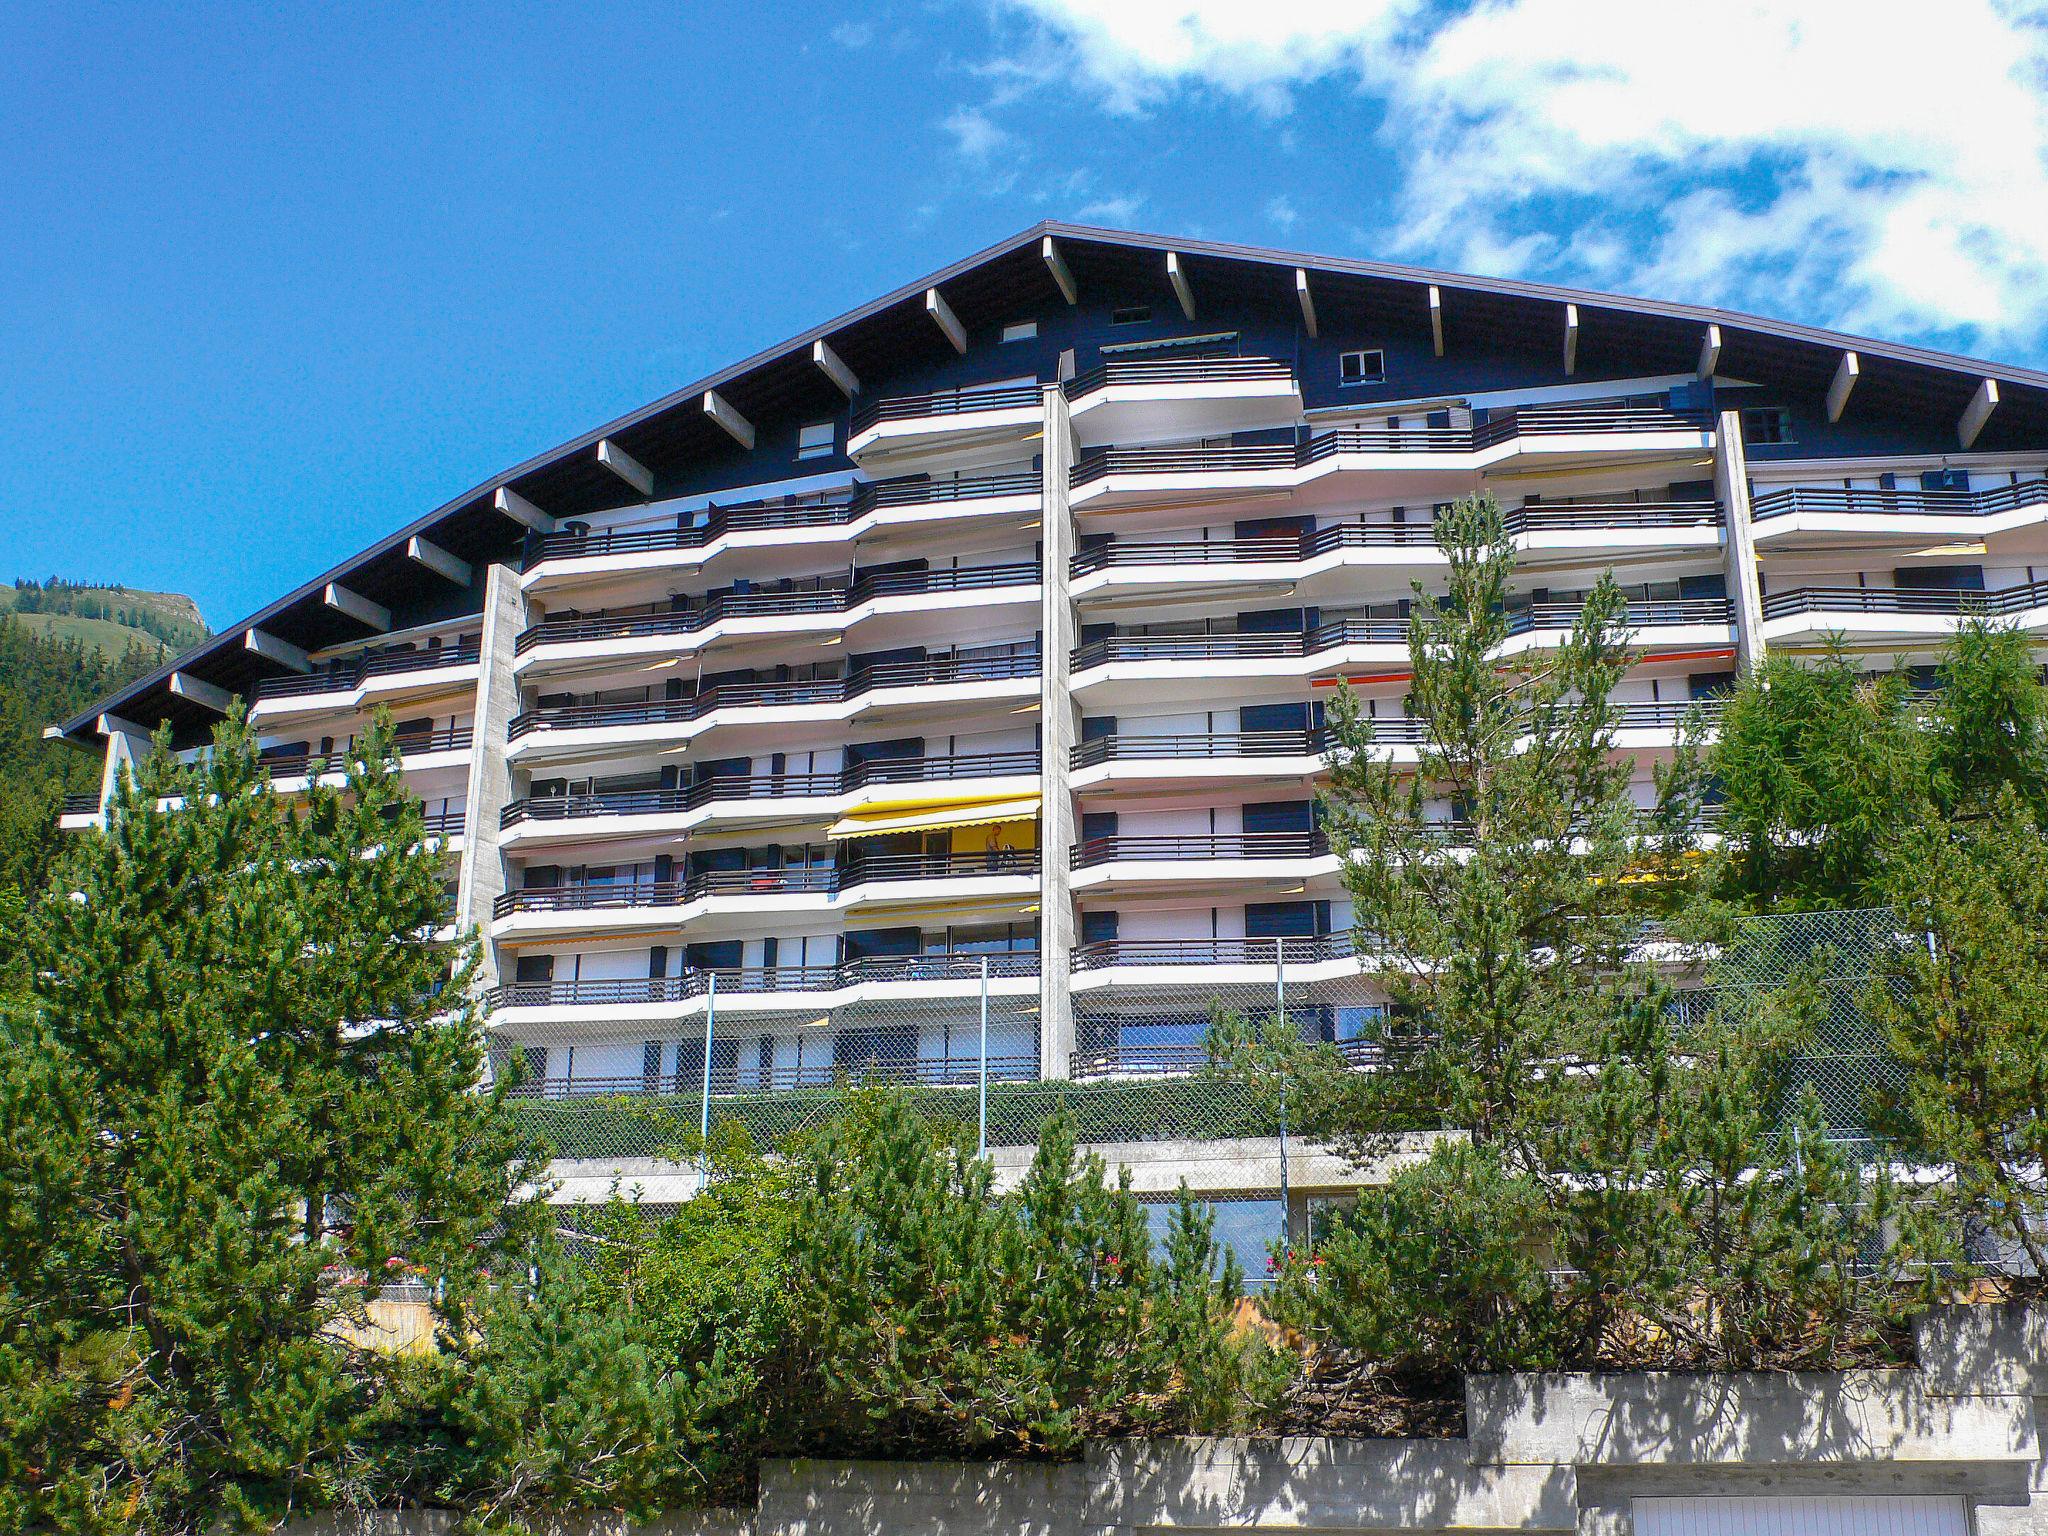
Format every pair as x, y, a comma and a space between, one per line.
1223, 250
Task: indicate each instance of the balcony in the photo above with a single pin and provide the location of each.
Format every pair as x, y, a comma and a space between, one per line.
756, 615
765, 526
985, 421
1319, 563
1420, 461
1136, 666
1104, 863
417, 751
1298, 754
78, 812
767, 797
1214, 961
567, 729
372, 677
794, 987
860, 882
1182, 397
1821, 517
1812, 614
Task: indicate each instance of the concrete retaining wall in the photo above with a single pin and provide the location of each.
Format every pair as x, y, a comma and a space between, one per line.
1963, 1433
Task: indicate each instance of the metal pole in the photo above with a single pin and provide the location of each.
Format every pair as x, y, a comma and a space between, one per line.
704, 1117
981, 1148
1280, 997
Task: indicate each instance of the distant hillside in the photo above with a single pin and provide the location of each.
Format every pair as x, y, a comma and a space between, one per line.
105, 618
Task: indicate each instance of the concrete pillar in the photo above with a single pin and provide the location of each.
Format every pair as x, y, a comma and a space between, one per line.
126, 748
490, 775
1060, 729
1745, 587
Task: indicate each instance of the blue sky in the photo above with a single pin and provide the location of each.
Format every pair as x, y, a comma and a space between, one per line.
276, 279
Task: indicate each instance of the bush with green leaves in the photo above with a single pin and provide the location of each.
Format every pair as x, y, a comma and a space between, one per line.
938, 1315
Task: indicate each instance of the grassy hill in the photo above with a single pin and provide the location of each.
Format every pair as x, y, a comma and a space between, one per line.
105, 619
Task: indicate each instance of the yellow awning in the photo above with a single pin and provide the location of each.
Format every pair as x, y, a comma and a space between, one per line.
930, 818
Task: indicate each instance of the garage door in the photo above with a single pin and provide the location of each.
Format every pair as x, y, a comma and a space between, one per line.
1815, 1516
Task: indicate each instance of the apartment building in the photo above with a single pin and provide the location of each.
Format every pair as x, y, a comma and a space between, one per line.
944, 690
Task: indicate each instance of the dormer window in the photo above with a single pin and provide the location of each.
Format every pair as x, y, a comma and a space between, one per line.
1369, 367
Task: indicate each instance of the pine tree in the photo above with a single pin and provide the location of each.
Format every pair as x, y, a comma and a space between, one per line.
241, 1096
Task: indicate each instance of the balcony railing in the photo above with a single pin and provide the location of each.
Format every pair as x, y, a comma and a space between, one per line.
934, 672
1909, 503
771, 786
789, 881
291, 765
945, 402
80, 805
1395, 730
727, 1079
1182, 1060
696, 982
743, 517
343, 676
1301, 950
1581, 419
446, 823
1906, 600
1343, 632
1240, 845
748, 605
1289, 549
1176, 370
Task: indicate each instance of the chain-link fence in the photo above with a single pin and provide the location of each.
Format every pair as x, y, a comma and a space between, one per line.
645, 1070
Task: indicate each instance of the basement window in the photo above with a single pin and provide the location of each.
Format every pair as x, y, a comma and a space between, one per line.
815, 440
1020, 330
1131, 314
1362, 368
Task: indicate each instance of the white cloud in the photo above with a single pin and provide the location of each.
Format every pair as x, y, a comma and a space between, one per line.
1281, 212
1879, 164
1119, 209
976, 135
854, 34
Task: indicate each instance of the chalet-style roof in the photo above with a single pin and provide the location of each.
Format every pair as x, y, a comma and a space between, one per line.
991, 286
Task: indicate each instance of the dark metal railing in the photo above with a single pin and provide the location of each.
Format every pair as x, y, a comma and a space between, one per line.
80, 805
1193, 951
290, 765
446, 823
803, 879
341, 676
770, 786
933, 672
1176, 370
1396, 730
696, 981
1582, 418
1916, 503
966, 401
1941, 602
1343, 632
756, 516
1287, 549
955, 1071
1241, 845
747, 605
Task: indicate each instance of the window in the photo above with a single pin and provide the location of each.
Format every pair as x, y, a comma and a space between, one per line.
1362, 368
1945, 480
814, 441
1020, 330
1131, 314
1766, 424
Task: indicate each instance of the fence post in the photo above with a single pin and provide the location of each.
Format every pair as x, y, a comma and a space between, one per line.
1280, 998
981, 1146
704, 1115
